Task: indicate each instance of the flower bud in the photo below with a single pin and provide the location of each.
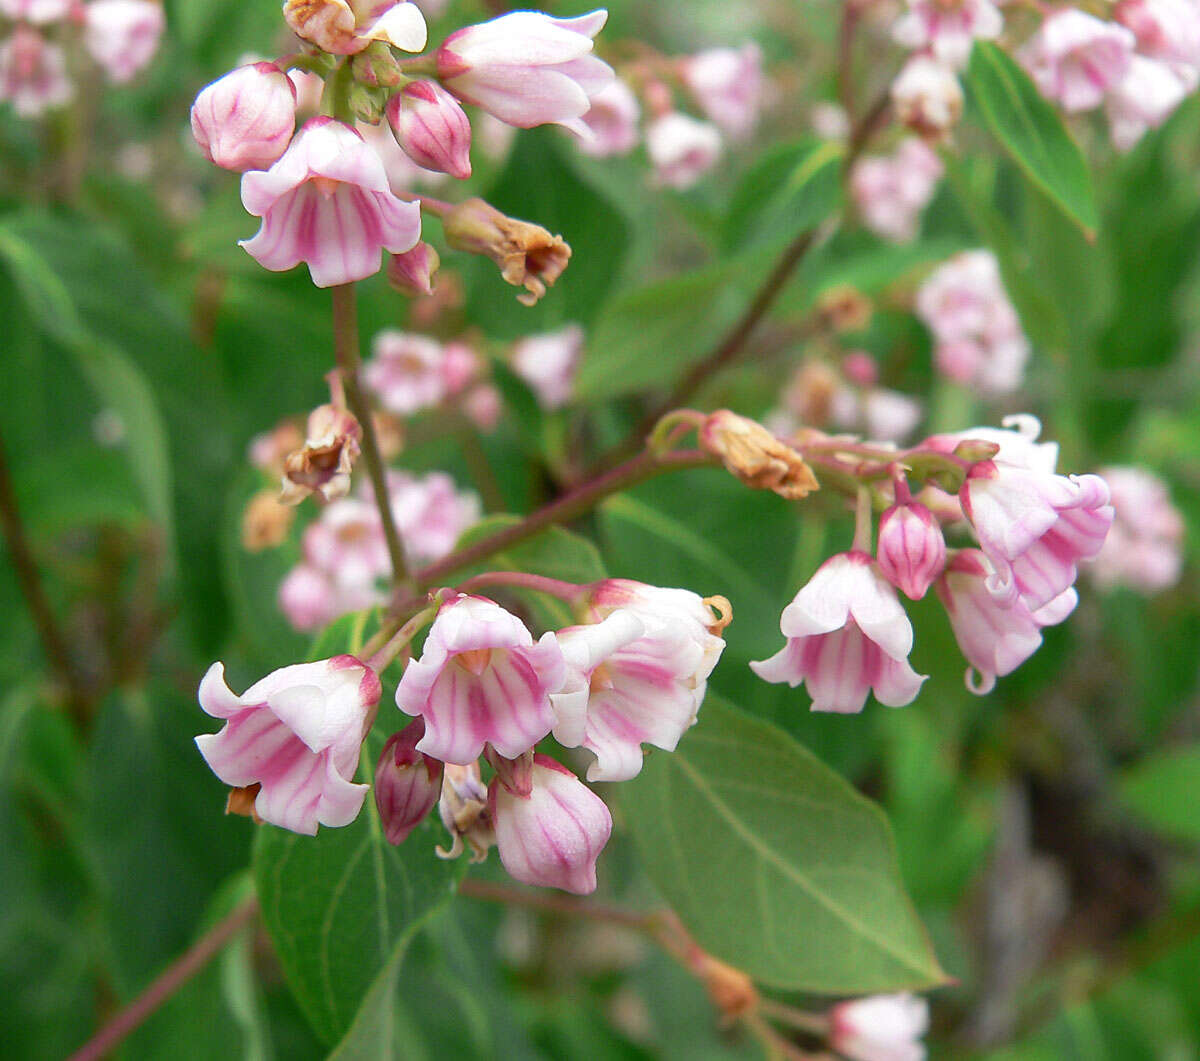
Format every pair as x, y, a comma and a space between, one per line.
927, 97
528, 256
411, 273
407, 782
911, 550
432, 128
265, 521
245, 119
749, 451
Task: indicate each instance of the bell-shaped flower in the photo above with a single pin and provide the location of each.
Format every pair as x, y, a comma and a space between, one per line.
727, 84
405, 371
412, 272
948, 30
612, 121
880, 1028
1075, 58
553, 836
245, 119
407, 783
1144, 549
122, 35
346, 27
431, 513
327, 202
847, 634
890, 191
681, 149
1143, 99
480, 680
432, 128
548, 363
1166, 30
927, 97
297, 734
911, 549
527, 68
33, 73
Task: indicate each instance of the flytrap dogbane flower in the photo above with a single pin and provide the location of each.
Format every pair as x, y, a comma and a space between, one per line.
245, 120
927, 97
431, 513
681, 149
405, 371
890, 191
481, 679
1167, 30
527, 68
463, 808
911, 549
948, 28
346, 27
1075, 58
33, 73
323, 464
1143, 99
880, 1028
727, 84
432, 128
1144, 547
552, 836
407, 783
326, 202
548, 363
847, 635
612, 121
412, 272
122, 35
296, 734
38, 12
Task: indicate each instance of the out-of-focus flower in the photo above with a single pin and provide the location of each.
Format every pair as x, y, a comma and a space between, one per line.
480, 680
948, 30
1075, 58
727, 83
1143, 99
829, 121
927, 97
323, 464
890, 191
39, 12
483, 406
245, 120
33, 73
297, 734
430, 513
911, 549
527, 68
265, 521
548, 363
407, 783
432, 128
122, 35
311, 597
346, 27
612, 121
1167, 30
681, 149
552, 836
847, 635
327, 202
1144, 548
880, 1028
405, 371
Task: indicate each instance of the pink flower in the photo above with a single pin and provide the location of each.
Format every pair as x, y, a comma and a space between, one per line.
948, 29
430, 513
483, 406
1144, 547
880, 1028
311, 597
1034, 527
727, 83
891, 191
405, 371
548, 363
460, 366
432, 128
612, 121
636, 675
403, 174
527, 68
911, 550
882, 415
1017, 443
995, 636
347, 541
412, 272
327, 202
927, 97
552, 837
122, 35
33, 73
407, 783
847, 634
1167, 30
681, 149
39, 12
245, 120
346, 27
1076, 58
1143, 99
481, 679
309, 89
297, 733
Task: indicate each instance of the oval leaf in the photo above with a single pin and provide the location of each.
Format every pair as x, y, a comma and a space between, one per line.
1163, 789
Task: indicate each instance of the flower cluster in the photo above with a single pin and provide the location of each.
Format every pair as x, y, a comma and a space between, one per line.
632, 672
891, 191
847, 632
333, 195
121, 36
978, 339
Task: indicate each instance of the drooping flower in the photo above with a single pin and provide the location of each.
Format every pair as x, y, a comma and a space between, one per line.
612, 121
1144, 547
245, 119
847, 635
432, 128
727, 83
527, 68
890, 191
1142, 100
122, 35
911, 549
880, 1028
405, 371
1075, 58
480, 680
297, 734
33, 73
948, 29
346, 27
407, 783
327, 202
552, 836
548, 363
323, 464
681, 149
431, 513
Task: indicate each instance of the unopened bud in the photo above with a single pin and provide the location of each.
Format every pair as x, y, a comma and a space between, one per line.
245, 120
927, 97
432, 128
760, 460
322, 466
911, 549
266, 521
976, 449
411, 273
528, 255
860, 368
376, 66
367, 103
407, 782
516, 775
731, 990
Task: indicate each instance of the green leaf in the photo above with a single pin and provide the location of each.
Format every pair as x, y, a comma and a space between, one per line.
775, 863
1032, 132
1163, 789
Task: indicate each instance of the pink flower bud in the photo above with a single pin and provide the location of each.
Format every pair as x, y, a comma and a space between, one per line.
860, 368
553, 836
483, 406
432, 128
411, 273
407, 783
122, 35
912, 550
246, 119
880, 1028
33, 73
